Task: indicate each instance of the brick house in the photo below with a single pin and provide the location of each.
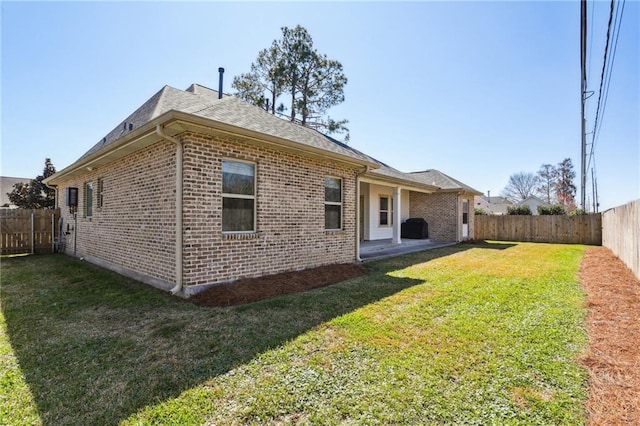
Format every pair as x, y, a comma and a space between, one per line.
195, 189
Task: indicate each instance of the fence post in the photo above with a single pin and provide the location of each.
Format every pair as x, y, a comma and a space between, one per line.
53, 233
33, 232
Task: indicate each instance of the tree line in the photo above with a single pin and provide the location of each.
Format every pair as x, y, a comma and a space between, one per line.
554, 184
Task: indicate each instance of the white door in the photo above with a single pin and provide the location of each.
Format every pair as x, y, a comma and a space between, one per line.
465, 218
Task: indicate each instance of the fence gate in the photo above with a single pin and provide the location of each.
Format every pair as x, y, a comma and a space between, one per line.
28, 231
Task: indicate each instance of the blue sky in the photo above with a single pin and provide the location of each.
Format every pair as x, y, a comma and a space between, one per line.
478, 90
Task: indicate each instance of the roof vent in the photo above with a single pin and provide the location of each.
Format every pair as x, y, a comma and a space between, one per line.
221, 72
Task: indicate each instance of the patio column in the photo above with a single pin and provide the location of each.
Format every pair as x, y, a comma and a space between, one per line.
397, 214
358, 213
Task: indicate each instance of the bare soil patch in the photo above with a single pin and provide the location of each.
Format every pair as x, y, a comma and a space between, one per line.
613, 326
253, 289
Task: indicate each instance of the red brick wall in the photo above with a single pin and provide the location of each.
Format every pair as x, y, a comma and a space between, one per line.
439, 210
135, 229
443, 213
290, 232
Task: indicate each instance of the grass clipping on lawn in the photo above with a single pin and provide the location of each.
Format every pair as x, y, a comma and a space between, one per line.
613, 326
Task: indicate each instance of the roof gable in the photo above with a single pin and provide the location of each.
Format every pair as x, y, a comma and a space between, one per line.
444, 181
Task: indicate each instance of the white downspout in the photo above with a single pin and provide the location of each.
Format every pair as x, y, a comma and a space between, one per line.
179, 189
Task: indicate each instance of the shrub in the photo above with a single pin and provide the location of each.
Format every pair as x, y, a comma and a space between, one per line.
551, 210
519, 210
479, 211
577, 212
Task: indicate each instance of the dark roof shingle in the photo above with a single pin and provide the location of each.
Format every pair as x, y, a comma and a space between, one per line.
442, 180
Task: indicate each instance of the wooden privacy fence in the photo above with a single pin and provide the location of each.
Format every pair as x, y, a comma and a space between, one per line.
28, 231
621, 233
579, 229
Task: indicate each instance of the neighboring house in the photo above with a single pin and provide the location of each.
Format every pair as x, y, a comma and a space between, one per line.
6, 186
194, 190
533, 202
493, 205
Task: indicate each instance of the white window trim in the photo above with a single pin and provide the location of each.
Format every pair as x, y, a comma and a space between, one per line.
100, 194
86, 199
335, 203
389, 211
242, 196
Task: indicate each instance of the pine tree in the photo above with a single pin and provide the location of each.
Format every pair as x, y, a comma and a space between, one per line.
294, 69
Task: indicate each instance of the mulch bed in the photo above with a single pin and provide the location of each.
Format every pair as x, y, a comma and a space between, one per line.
613, 326
253, 289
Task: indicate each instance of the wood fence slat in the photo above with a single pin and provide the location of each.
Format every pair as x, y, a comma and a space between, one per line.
579, 229
19, 233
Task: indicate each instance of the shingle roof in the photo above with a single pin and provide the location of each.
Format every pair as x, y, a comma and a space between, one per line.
497, 200
166, 99
234, 111
444, 181
201, 101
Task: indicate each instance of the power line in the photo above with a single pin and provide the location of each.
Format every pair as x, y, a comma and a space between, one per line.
607, 80
616, 32
613, 35
604, 65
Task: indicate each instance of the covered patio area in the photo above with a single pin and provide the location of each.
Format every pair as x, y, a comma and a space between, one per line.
377, 249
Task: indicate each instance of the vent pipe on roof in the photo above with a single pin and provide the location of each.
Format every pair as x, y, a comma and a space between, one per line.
221, 71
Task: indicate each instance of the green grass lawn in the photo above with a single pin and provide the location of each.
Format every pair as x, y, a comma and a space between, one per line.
458, 335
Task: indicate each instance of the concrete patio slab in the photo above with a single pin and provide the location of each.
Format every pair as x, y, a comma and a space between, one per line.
378, 249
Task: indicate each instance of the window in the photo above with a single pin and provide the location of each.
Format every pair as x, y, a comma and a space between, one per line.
100, 193
332, 203
238, 196
465, 212
88, 205
386, 210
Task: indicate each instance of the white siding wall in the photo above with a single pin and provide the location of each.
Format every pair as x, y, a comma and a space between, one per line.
372, 193
405, 205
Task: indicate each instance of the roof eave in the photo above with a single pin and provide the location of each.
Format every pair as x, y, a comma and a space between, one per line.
462, 190
146, 135
224, 129
131, 142
405, 184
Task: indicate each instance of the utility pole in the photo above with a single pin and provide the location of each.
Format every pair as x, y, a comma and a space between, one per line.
583, 92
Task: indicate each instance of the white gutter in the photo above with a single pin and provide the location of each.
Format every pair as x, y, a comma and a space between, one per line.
179, 189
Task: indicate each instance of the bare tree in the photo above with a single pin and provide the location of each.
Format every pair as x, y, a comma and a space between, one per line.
547, 178
521, 186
